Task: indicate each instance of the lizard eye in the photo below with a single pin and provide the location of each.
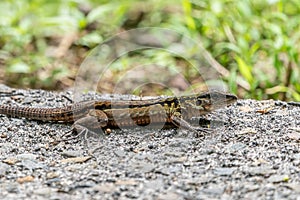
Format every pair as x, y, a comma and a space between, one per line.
198, 102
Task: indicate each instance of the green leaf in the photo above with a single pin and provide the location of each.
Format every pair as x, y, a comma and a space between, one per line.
277, 89
18, 67
229, 46
296, 96
187, 7
100, 12
232, 81
91, 39
245, 69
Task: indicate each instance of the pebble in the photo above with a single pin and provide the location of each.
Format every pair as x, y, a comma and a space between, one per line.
51, 175
3, 169
294, 136
71, 154
278, 178
105, 188
168, 196
31, 165
45, 191
25, 179
26, 156
154, 184
224, 171
76, 159
237, 147
264, 171
126, 182
214, 190
120, 153
12, 187
294, 186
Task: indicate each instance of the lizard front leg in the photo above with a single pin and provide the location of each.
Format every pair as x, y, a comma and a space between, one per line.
90, 126
95, 120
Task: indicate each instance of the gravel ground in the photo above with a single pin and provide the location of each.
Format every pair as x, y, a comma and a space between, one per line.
254, 155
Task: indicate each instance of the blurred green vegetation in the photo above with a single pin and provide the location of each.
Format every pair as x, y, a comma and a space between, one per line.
42, 42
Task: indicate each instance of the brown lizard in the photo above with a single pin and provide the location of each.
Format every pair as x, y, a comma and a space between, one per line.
166, 111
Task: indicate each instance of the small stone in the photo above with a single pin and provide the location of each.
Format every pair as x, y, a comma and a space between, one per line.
174, 154
76, 160
154, 184
294, 186
31, 165
108, 131
187, 164
10, 161
208, 151
224, 171
11, 187
71, 154
297, 156
168, 195
278, 178
200, 158
3, 135
3, 169
265, 171
147, 168
294, 135
44, 191
237, 147
143, 167
259, 162
105, 188
51, 175
26, 156
247, 131
246, 108
126, 182
178, 160
151, 146
37, 148
120, 153
250, 188
214, 190
25, 179
163, 171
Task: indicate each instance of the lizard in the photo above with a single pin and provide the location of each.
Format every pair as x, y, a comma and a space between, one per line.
173, 112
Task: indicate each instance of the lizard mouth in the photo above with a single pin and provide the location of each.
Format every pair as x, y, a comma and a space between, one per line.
220, 102
230, 100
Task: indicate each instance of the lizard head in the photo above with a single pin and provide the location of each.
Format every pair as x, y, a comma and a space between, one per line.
213, 100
